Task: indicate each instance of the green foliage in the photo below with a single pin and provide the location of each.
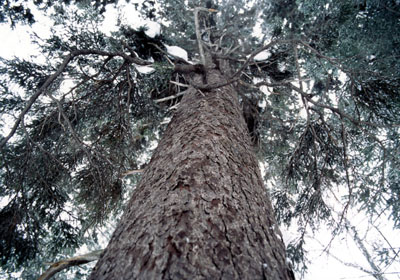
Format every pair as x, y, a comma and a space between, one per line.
15, 12
62, 174
331, 138
18, 11
345, 141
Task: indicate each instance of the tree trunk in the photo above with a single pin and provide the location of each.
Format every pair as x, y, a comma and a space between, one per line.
201, 210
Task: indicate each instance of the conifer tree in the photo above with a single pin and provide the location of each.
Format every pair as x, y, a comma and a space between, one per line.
308, 88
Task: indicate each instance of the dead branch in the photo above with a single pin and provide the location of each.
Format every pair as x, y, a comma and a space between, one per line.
198, 33
130, 172
179, 84
66, 263
171, 96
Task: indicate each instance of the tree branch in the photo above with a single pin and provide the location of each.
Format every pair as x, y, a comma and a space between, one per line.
253, 54
60, 69
130, 172
294, 41
377, 273
66, 263
171, 96
125, 56
34, 97
198, 33
333, 109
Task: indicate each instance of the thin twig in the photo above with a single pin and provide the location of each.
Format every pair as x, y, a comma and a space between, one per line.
179, 84
171, 96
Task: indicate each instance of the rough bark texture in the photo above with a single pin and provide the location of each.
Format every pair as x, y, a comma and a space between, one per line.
201, 210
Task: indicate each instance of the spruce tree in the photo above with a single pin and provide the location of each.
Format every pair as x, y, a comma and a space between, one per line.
309, 88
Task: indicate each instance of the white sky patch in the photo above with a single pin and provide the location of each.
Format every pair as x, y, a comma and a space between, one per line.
257, 30
177, 51
342, 76
344, 248
14, 42
110, 23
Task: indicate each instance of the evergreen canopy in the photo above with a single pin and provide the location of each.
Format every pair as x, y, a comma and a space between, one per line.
319, 84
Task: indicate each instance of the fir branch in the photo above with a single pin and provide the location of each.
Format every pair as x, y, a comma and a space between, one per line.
34, 97
54, 76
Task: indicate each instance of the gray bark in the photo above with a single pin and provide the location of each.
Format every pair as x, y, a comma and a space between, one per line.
201, 210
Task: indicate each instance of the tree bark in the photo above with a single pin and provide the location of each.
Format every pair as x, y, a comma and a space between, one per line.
201, 210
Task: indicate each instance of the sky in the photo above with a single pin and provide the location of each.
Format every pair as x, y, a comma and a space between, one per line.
17, 43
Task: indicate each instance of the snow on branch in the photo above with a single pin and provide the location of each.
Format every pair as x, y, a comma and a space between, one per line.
177, 52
